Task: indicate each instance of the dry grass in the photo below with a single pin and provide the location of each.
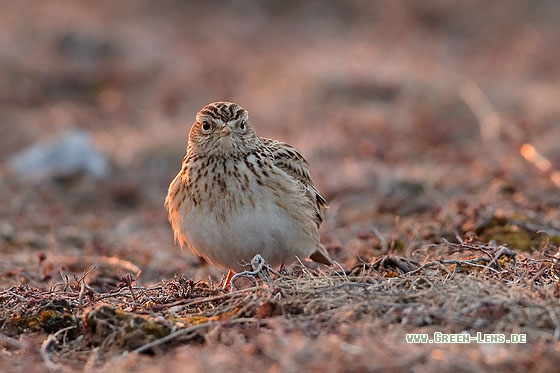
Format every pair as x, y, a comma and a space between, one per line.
489, 290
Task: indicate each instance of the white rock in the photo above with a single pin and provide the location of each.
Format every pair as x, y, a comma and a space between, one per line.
69, 153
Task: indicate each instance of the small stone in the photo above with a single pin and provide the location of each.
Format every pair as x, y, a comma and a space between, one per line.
70, 153
6, 230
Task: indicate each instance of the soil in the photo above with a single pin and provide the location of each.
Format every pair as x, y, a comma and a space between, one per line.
430, 127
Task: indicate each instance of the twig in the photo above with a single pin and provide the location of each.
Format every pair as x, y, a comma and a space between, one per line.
12, 342
66, 282
304, 268
478, 102
503, 251
47, 343
194, 328
127, 279
17, 296
83, 287
80, 296
470, 262
194, 302
45, 353
383, 240
453, 247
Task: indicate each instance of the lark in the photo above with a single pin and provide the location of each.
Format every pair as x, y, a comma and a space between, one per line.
238, 195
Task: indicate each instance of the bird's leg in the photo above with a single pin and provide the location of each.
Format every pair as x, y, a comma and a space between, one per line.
229, 276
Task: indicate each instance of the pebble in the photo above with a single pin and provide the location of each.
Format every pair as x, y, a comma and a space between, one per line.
72, 152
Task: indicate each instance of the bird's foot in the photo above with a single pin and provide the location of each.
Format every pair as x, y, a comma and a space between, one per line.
259, 268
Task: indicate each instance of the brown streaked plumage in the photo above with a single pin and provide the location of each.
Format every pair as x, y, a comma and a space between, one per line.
238, 195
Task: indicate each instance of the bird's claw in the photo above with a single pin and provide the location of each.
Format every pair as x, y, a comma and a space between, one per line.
259, 268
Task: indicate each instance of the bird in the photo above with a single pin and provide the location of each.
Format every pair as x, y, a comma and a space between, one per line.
238, 195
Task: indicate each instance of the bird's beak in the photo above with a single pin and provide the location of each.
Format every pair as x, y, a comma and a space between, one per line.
225, 131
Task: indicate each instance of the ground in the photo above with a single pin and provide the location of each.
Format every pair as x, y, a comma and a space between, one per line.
431, 127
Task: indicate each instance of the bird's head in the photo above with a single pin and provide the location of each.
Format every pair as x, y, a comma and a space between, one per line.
222, 129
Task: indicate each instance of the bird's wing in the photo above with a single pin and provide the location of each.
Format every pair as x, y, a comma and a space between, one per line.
289, 159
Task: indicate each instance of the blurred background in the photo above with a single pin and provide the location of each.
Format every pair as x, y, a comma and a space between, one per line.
412, 116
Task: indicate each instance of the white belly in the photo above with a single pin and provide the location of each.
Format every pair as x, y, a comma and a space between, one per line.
231, 240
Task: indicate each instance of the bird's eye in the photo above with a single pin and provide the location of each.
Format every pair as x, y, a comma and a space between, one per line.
205, 126
242, 125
